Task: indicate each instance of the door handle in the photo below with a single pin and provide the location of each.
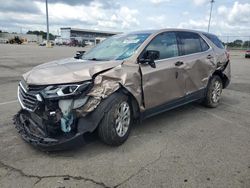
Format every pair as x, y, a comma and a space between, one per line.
179, 63
210, 56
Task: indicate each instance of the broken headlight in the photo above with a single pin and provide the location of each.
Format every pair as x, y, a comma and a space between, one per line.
55, 91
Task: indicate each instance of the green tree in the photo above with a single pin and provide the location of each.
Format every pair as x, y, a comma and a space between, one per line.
44, 34
238, 43
246, 44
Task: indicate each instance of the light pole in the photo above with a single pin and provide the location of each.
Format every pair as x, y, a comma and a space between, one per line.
211, 8
47, 21
248, 46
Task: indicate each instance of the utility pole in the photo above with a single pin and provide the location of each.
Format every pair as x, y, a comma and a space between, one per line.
211, 9
248, 44
47, 21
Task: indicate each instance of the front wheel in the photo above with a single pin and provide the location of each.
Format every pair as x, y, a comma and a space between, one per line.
115, 126
214, 91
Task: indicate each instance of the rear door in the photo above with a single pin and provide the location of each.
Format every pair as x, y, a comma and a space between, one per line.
220, 52
165, 82
198, 58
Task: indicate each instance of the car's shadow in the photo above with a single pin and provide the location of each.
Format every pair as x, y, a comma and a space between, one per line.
153, 124
164, 122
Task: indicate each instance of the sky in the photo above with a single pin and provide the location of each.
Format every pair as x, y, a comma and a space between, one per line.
229, 17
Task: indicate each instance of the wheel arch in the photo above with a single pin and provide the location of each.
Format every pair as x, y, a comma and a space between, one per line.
92, 120
133, 102
225, 80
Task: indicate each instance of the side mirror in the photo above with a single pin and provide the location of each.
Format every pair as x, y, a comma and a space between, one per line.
149, 57
79, 54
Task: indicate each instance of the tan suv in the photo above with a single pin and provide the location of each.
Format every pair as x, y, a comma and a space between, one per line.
125, 78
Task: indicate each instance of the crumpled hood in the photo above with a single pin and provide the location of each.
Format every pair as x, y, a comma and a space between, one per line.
68, 70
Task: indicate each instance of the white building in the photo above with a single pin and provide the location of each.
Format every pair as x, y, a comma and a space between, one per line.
84, 35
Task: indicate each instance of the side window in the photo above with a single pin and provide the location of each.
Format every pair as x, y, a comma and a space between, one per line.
215, 40
166, 44
204, 45
189, 43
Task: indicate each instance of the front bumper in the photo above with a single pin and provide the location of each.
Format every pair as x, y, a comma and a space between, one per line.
31, 133
45, 125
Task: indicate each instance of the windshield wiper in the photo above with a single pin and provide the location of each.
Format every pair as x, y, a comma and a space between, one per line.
95, 59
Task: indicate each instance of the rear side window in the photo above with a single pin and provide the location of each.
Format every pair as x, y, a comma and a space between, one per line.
189, 43
215, 40
204, 45
166, 44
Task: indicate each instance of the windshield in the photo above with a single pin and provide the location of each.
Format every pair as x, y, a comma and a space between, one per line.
118, 47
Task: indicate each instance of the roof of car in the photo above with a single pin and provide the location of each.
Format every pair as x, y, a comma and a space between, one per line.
143, 32
167, 29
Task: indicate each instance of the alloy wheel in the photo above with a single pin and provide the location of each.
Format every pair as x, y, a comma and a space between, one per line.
122, 121
216, 92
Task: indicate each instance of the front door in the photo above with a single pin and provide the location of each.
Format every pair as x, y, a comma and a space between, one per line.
165, 82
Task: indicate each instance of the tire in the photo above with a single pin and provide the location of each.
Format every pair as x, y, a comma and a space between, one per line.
115, 126
214, 91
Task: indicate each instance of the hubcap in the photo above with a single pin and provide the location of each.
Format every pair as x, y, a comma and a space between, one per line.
216, 92
123, 119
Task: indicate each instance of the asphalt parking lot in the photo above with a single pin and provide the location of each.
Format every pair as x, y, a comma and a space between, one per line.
191, 146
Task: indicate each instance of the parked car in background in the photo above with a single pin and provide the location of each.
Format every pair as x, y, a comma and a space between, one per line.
125, 78
74, 42
45, 42
247, 54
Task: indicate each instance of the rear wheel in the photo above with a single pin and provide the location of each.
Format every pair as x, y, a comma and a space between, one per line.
214, 91
115, 126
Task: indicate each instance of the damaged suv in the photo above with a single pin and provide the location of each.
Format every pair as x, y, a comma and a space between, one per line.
126, 78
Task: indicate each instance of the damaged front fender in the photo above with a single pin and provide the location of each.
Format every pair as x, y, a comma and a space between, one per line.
126, 75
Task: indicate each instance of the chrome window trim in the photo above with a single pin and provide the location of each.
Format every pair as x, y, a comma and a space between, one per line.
179, 56
204, 38
182, 56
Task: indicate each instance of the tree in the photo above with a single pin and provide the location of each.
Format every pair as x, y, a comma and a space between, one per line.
238, 43
44, 34
246, 44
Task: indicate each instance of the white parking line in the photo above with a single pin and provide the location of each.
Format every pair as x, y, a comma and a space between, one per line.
8, 102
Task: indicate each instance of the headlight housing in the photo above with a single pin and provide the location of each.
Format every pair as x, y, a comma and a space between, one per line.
55, 91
